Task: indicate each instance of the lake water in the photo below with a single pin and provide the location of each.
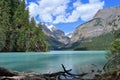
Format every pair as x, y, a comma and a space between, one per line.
46, 62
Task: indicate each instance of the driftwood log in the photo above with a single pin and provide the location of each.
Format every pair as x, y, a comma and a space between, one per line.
6, 74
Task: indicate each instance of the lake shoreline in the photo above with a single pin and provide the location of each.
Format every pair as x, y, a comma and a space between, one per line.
47, 62
13, 75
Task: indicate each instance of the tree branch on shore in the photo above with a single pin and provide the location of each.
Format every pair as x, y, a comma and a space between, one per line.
61, 75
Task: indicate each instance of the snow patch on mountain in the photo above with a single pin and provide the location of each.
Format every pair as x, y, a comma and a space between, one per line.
69, 34
51, 27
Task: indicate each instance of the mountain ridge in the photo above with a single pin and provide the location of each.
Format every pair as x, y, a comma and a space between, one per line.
55, 37
103, 23
100, 24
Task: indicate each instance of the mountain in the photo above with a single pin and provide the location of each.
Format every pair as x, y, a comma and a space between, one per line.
69, 34
95, 34
55, 37
103, 23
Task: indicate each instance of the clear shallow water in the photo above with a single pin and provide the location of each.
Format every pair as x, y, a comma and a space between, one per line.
42, 62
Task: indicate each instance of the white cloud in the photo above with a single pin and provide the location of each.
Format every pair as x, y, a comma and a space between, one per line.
25, 1
33, 9
48, 9
57, 11
77, 3
85, 11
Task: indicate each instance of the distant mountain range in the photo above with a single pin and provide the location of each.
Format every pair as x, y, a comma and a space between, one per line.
55, 37
69, 34
104, 22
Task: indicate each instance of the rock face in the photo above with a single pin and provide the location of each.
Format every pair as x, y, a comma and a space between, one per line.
104, 21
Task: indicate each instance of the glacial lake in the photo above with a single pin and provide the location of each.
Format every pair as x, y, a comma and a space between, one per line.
45, 62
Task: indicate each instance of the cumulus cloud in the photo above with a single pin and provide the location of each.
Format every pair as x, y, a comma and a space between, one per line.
58, 11
87, 11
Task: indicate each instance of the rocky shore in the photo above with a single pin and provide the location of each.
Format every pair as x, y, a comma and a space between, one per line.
6, 74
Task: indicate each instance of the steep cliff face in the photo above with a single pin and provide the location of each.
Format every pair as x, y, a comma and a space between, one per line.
104, 21
90, 29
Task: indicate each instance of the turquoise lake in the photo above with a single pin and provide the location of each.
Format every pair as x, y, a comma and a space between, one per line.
45, 62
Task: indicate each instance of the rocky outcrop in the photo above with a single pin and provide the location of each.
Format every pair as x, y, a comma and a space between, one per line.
104, 21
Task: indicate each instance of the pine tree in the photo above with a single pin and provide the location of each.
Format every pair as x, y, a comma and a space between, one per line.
5, 22
37, 42
16, 31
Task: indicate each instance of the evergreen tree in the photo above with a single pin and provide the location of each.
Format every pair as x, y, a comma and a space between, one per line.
5, 22
16, 31
37, 39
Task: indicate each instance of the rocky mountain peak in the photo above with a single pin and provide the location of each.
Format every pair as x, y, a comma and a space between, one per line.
52, 32
108, 12
51, 27
69, 34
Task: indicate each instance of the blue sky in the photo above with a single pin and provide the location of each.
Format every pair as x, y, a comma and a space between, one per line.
66, 14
